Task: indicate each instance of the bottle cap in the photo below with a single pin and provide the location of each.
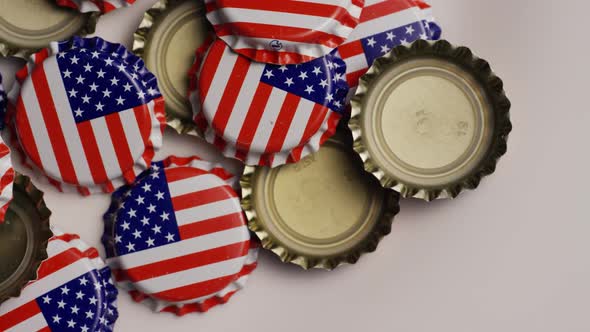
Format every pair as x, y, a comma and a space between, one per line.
103, 6
166, 39
321, 212
23, 239
74, 290
266, 114
177, 239
284, 32
87, 114
384, 24
6, 170
430, 120
27, 26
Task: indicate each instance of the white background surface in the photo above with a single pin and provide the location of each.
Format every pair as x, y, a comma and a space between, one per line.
512, 256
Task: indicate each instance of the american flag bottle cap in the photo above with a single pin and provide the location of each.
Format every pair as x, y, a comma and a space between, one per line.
166, 40
447, 119
23, 238
322, 212
87, 114
384, 24
284, 32
266, 114
102, 6
177, 239
74, 291
6, 169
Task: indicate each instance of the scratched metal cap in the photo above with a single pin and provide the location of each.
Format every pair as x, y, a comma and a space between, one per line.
166, 39
321, 212
23, 238
430, 120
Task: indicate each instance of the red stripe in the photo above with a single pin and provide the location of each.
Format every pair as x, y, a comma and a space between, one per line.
187, 262
212, 225
120, 144
66, 237
6, 179
283, 123
45, 329
333, 121
253, 116
63, 259
19, 315
384, 8
210, 68
199, 289
351, 49
54, 129
144, 123
313, 126
422, 4
354, 77
203, 197
230, 95
92, 152
181, 173
274, 57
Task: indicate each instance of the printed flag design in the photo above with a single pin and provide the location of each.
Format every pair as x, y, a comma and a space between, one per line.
384, 25
286, 31
267, 114
89, 116
103, 6
74, 292
179, 237
6, 170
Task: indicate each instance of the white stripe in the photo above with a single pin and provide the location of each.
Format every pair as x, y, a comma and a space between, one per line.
156, 131
192, 276
194, 184
34, 323
356, 63
39, 129
179, 249
307, 49
219, 83
268, 120
106, 147
314, 142
298, 125
384, 23
68, 125
133, 134
208, 211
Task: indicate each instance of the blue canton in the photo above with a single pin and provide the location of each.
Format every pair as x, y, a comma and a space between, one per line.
322, 81
382, 43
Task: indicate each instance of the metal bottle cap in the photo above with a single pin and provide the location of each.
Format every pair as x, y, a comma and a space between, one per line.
321, 212
23, 238
430, 120
166, 39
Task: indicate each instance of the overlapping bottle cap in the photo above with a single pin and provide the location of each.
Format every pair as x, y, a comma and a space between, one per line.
177, 238
166, 39
87, 114
74, 291
103, 6
284, 32
322, 212
266, 114
430, 120
23, 240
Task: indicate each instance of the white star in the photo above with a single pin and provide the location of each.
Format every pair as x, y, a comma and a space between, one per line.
371, 42
79, 295
125, 225
127, 86
404, 42
145, 221
106, 93
103, 320
155, 175
99, 107
423, 35
87, 68
303, 75
118, 238
100, 73
309, 89
97, 285
160, 195
86, 99
56, 319
410, 30
152, 91
65, 290
170, 237
83, 281
109, 61
134, 76
74, 59
61, 55
73, 93
147, 187
317, 71
75, 309
120, 100
132, 213
79, 112
61, 304
289, 81
122, 67
141, 95
150, 242
130, 247
385, 49
324, 83
151, 208
338, 77
269, 74
95, 54
67, 74
89, 314
390, 36
93, 87
114, 81
46, 299
137, 234
84, 328
71, 323
140, 200
157, 229
156, 167
329, 97
283, 69
80, 79
165, 216
337, 103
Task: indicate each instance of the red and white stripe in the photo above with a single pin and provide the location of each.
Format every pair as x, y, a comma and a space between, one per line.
69, 258
307, 29
6, 179
87, 6
93, 156
250, 120
215, 256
